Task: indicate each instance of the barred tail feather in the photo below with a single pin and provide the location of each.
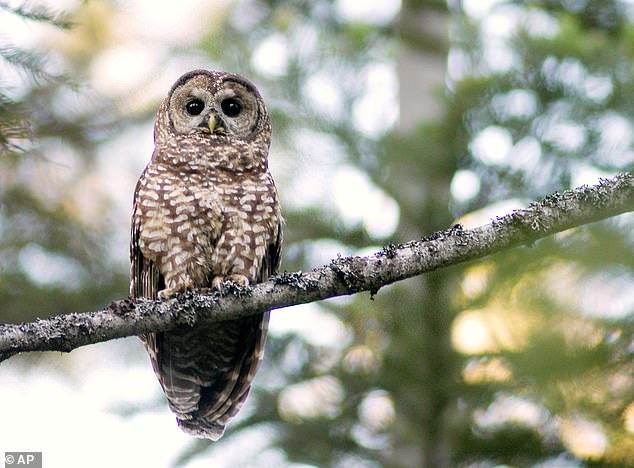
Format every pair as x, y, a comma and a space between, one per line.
206, 373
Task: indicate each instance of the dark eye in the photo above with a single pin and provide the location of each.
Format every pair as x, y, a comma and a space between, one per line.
194, 107
231, 107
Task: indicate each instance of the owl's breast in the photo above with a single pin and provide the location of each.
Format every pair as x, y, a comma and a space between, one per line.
179, 223
251, 220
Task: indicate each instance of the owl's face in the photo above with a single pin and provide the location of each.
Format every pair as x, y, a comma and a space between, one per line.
215, 103
217, 115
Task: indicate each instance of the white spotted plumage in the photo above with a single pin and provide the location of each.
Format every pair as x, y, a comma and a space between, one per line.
206, 210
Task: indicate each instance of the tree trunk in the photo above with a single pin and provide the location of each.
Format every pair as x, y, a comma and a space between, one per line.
426, 401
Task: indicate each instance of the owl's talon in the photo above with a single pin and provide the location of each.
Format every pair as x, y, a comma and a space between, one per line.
168, 293
219, 281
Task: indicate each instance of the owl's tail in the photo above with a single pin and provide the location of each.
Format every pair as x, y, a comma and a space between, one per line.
207, 372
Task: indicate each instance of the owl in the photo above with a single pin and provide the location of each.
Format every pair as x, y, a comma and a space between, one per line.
206, 211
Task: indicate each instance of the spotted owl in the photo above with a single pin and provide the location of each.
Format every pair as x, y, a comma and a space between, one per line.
206, 211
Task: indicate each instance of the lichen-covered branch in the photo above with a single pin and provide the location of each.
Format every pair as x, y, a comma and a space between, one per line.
342, 276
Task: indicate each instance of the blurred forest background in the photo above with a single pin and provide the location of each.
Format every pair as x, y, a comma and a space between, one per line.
391, 120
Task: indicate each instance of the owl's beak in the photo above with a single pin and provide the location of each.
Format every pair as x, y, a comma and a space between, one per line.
212, 122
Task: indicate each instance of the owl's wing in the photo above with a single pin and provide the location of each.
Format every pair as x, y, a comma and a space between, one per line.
145, 278
273, 257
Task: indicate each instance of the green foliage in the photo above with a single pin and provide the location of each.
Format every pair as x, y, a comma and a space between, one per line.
37, 13
13, 122
52, 258
573, 347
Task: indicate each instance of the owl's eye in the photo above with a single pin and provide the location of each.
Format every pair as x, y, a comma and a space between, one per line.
194, 107
231, 107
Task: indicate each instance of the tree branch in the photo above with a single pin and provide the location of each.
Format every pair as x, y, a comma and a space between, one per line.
342, 276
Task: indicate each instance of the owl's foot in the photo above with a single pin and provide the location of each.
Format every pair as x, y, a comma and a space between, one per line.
171, 292
240, 280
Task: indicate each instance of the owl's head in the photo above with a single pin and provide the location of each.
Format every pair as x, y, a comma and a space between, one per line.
217, 112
